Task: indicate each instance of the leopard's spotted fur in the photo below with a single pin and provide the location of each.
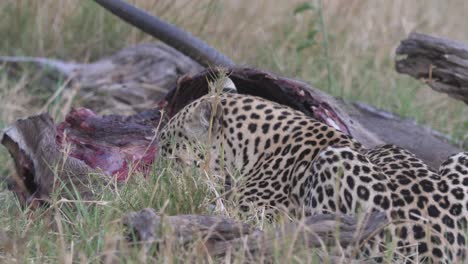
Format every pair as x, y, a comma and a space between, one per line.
289, 161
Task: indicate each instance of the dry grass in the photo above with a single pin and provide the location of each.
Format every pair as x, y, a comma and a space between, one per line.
362, 38
356, 63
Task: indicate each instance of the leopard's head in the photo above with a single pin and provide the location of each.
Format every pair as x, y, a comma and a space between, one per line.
193, 135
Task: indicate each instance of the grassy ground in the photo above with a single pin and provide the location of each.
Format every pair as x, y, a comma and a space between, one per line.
345, 49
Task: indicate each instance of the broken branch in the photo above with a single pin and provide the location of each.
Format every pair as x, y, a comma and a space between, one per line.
220, 235
440, 62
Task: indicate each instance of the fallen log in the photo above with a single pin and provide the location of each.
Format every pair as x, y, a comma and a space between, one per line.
429, 145
128, 81
219, 236
441, 63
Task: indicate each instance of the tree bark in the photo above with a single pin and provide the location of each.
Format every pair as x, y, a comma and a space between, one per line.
441, 63
126, 82
220, 236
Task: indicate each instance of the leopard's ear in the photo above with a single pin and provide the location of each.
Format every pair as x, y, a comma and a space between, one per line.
207, 114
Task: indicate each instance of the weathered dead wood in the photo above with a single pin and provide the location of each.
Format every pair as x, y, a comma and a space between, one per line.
441, 63
146, 225
220, 236
429, 145
129, 81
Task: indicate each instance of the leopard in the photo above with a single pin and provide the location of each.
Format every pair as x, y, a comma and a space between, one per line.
281, 160
428, 209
